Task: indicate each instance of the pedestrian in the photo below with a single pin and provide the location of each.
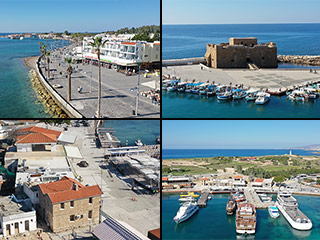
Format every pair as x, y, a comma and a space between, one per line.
79, 89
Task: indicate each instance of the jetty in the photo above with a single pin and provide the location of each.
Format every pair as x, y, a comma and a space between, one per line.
202, 201
254, 198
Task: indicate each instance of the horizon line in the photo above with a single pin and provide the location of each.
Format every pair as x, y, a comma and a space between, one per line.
238, 23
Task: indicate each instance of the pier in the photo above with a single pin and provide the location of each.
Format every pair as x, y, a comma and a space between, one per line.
202, 201
254, 198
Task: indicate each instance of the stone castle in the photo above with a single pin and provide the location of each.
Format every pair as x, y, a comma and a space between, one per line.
242, 53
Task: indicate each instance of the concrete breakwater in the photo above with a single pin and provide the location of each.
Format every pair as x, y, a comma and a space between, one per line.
45, 98
300, 59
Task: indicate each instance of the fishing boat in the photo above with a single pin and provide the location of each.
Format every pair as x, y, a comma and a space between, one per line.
138, 142
238, 94
224, 96
262, 98
171, 89
239, 197
192, 194
252, 95
311, 92
181, 87
231, 206
273, 211
288, 206
158, 140
246, 219
296, 95
186, 211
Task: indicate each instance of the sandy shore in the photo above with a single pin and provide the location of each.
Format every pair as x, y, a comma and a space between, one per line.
30, 62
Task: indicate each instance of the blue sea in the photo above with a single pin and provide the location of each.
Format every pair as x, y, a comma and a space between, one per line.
185, 41
127, 131
212, 222
17, 97
199, 153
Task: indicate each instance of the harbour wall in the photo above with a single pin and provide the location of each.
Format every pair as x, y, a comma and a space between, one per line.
300, 59
183, 61
68, 108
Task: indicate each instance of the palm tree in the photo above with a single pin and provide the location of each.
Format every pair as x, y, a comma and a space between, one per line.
97, 44
48, 62
69, 71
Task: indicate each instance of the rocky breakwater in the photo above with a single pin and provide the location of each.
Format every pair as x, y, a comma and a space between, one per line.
45, 98
301, 60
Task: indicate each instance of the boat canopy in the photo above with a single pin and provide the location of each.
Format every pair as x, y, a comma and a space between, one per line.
182, 83
211, 86
194, 84
238, 90
174, 81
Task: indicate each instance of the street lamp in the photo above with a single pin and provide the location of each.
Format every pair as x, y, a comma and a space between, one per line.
138, 91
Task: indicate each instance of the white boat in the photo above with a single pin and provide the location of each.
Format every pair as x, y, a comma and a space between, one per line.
186, 211
139, 142
21, 38
273, 211
187, 199
171, 89
246, 218
288, 206
262, 98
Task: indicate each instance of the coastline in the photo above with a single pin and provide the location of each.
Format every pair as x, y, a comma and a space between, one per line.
44, 97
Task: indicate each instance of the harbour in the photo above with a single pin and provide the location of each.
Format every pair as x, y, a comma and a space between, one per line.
214, 213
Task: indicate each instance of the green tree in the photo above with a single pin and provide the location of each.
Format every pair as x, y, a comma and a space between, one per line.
97, 44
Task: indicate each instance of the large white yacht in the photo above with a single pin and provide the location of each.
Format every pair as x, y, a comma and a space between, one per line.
288, 206
186, 211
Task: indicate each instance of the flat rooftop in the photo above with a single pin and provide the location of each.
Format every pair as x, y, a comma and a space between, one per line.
8, 207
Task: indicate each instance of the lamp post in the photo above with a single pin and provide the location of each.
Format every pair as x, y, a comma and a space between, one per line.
138, 91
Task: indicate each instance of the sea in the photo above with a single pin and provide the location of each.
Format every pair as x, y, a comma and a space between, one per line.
212, 222
203, 153
127, 131
185, 41
17, 97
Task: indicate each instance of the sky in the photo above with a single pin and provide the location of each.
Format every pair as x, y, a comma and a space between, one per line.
239, 134
240, 11
76, 15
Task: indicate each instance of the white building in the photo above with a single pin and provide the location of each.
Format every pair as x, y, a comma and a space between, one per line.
123, 53
16, 218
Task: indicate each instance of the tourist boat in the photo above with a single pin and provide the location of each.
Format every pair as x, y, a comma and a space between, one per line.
227, 95
192, 194
262, 98
239, 197
251, 95
139, 142
231, 206
238, 94
273, 211
186, 211
288, 206
246, 218
187, 199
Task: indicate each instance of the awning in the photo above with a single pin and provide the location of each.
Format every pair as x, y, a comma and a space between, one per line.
73, 152
66, 138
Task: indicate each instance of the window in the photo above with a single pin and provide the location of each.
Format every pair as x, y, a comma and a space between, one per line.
262, 58
90, 214
72, 204
90, 200
72, 218
61, 205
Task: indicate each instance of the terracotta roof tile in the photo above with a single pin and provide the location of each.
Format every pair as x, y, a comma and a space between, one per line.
40, 130
258, 180
237, 177
37, 138
129, 43
62, 191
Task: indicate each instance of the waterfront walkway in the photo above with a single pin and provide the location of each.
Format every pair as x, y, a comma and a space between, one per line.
117, 97
254, 198
272, 79
202, 201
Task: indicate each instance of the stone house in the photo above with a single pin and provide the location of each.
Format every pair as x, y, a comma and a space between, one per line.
66, 204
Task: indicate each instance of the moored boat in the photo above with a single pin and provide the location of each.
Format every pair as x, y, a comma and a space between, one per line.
187, 199
192, 194
231, 206
186, 211
273, 211
246, 219
262, 98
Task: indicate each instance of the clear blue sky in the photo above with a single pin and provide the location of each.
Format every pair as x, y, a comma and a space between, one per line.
240, 11
76, 15
239, 134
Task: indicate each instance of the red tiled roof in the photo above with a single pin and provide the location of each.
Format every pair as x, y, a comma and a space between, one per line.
61, 190
237, 177
129, 43
40, 130
164, 179
204, 178
154, 234
156, 44
258, 180
37, 138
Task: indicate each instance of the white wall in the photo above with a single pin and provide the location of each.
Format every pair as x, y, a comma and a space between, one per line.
20, 219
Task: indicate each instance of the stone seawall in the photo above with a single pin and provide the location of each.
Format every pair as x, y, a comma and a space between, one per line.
183, 61
301, 60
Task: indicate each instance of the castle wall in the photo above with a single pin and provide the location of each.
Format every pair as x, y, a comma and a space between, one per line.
243, 41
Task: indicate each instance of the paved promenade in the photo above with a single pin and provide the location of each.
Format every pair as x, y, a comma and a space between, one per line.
273, 79
116, 98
